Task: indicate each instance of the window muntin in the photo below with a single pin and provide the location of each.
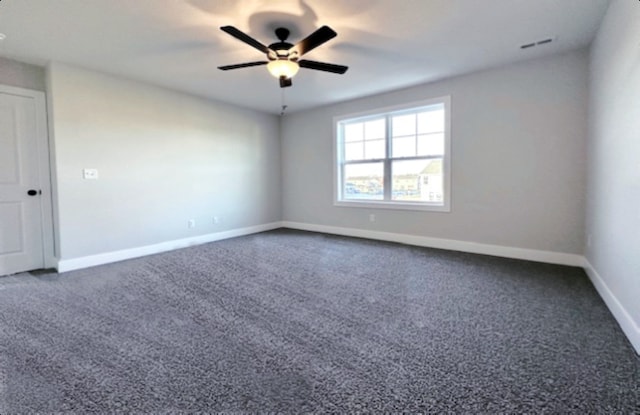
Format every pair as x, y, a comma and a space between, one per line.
397, 158
365, 140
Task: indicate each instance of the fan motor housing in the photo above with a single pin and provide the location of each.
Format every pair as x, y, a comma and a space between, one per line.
281, 49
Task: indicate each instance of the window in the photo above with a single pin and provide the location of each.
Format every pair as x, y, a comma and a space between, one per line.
396, 158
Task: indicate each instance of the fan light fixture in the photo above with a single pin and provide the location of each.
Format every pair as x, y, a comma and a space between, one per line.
283, 67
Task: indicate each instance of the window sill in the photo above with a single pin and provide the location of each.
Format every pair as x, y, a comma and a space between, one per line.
369, 204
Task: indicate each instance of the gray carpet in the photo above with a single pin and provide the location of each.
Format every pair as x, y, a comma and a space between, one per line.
294, 322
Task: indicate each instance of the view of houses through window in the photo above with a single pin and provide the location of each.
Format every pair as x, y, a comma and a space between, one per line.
394, 157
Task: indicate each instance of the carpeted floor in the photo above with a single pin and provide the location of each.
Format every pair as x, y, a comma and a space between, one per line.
294, 322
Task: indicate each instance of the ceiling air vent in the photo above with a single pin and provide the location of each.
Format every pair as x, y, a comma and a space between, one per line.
537, 43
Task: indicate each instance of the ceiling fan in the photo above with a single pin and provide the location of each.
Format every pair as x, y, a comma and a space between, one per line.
283, 57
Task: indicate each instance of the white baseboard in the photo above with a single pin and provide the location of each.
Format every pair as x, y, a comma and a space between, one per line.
65, 265
630, 327
450, 244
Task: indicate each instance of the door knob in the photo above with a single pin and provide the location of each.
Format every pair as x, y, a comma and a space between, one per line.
33, 192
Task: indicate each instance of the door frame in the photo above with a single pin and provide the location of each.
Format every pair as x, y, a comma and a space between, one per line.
44, 170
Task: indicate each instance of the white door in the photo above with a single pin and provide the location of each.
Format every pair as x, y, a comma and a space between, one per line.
21, 240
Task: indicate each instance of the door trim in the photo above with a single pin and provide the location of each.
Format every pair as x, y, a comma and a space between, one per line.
44, 169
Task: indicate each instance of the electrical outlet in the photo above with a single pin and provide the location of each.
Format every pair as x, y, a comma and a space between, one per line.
589, 240
192, 223
372, 217
90, 174
216, 220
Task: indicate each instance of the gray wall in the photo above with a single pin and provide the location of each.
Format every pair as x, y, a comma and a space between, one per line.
22, 75
613, 201
163, 158
518, 159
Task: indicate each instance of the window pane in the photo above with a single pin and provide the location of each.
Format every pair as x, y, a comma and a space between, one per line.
374, 149
353, 132
363, 181
404, 125
431, 144
374, 129
404, 146
417, 180
431, 121
354, 151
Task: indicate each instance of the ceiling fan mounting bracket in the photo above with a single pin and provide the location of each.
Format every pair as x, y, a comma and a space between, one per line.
282, 33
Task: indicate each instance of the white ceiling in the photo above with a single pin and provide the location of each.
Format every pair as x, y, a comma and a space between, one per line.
387, 44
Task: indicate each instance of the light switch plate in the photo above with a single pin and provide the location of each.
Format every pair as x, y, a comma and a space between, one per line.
90, 174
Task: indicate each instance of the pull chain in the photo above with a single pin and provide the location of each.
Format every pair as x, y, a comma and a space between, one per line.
284, 106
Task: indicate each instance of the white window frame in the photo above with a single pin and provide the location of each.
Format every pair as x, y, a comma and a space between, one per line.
338, 158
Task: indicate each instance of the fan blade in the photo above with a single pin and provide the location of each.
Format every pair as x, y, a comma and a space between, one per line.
285, 82
245, 38
314, 40
321, 66
242, 65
